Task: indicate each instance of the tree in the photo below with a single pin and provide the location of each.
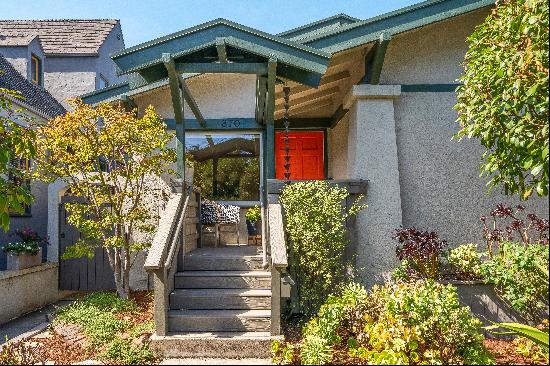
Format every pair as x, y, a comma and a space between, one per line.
107, 156
16, 143
503, 99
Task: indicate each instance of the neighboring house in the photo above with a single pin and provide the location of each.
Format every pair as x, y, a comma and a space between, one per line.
370, 100
68, 57
40, 105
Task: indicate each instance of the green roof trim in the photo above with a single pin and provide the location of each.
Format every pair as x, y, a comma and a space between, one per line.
101, 95
399, 21
337, 19
205, 35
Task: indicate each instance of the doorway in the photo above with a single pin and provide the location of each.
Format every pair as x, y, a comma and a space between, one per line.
306, 155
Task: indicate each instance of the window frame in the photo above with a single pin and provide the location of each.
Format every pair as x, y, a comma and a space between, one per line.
101, 78
36, 69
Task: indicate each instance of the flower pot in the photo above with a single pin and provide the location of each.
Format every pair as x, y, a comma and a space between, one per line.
24, 260
252, 227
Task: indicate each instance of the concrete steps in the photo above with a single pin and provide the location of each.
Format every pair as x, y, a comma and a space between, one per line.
223, 279
220, 306
219, 298
219, 320
215, 345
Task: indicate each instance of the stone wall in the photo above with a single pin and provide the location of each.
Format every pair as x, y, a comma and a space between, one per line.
28, 289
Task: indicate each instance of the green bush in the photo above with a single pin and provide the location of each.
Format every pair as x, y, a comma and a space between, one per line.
399, 323
316, 226
520, 274
253, 214
465, 261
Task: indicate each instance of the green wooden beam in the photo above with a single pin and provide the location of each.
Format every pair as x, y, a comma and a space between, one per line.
374, 60
177, 105
305, 123
228, 68
217, 124
270, 118
191, 101
222, 51
128, 102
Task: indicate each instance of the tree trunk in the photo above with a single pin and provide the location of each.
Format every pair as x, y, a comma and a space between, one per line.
118, 271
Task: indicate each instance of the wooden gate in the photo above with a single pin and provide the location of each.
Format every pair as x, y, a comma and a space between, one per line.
82, 274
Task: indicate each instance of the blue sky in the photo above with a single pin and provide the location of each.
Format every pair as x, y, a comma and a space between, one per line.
143, 20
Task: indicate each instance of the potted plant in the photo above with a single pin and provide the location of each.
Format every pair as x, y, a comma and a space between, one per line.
253, 215
25, 253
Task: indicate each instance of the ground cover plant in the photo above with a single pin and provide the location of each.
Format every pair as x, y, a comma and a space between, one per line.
399, 323
315, 223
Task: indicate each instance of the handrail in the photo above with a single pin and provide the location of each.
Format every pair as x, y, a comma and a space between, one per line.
176, 235
169, 227
277, 240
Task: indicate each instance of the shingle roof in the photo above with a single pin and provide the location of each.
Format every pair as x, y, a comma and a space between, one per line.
34, 95
65, 36
16, 41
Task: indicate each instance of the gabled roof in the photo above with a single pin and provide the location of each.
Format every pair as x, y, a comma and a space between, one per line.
395, 22
20, 41
196, 39
62, 37
34, 95
318, 27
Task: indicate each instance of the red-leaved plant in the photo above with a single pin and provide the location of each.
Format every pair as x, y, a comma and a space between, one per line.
420, 251
532, 230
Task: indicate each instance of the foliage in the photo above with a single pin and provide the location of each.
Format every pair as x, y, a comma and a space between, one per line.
530, 349
18, 353
535, 231
124, 352
520, 275
30, 242
533, 334
316, 226
109, 157
465, 261
253, 214
503, 99
398, 323
103, 319
420, 251
16, 143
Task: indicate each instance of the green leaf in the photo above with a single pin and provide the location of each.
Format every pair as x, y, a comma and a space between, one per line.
533, 334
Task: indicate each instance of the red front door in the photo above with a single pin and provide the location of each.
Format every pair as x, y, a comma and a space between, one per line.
306, 155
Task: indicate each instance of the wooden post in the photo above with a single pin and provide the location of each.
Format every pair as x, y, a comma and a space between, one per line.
275, 301
177, 104
161, 302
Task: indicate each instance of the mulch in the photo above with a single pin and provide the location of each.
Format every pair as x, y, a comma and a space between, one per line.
505, 353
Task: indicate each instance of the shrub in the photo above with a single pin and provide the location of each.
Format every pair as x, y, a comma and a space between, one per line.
124, 352
419, 251
520, 275
399, 323
316, 226
465, 261
253, 214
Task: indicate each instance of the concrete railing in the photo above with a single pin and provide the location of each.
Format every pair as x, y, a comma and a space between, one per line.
162, 259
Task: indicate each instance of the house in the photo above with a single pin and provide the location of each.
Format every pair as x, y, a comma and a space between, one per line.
68, 57
370, 106
48, 61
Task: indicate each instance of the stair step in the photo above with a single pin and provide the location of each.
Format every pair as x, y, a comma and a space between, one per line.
223, 279
214, 345
219, 320
205, 299
222, 263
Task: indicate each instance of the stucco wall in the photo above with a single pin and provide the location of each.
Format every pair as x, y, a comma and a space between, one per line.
440, 185
17, 56
431, 54
28, 289
217, 95
104, 64
338, 150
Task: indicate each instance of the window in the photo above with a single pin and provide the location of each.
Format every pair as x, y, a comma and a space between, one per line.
102, 82
20, 165
227, 166
36, 70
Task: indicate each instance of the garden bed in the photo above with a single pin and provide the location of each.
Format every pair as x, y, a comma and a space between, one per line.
103, 329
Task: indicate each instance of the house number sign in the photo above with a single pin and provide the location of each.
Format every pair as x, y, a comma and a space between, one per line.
230, 123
